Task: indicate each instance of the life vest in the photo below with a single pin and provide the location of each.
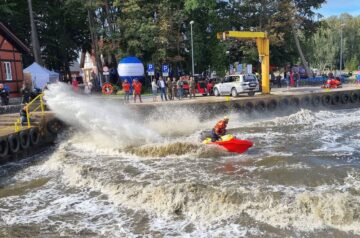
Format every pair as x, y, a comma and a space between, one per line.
137, 87
126, 86
220, 127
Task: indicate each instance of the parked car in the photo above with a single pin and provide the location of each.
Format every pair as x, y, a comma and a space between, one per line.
235, 84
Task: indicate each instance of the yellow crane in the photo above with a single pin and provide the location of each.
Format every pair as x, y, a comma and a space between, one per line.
262, 42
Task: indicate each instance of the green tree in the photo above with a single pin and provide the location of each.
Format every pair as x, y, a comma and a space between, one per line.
324, 46
61, 25
34, 36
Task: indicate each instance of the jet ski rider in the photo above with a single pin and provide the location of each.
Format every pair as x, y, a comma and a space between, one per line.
219, 129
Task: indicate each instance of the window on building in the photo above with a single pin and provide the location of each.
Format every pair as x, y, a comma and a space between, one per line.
8, 75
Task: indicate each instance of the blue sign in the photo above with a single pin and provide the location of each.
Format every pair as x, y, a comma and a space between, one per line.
239, 68
165, 70
151, 69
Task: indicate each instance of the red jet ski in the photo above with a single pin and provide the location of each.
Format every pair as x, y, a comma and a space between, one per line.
231, 144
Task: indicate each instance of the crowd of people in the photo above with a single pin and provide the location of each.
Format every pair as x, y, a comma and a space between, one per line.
289, 78
292, 78
172, 88
169, 90
166, 89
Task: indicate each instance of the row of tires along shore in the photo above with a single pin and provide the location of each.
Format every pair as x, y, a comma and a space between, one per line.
341, 99
28, 139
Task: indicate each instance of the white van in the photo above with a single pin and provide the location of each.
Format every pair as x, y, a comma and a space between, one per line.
235, 84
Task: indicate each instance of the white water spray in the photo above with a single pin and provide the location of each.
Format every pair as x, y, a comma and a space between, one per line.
107, 122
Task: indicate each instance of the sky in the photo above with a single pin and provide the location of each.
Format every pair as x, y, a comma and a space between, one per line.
336, 7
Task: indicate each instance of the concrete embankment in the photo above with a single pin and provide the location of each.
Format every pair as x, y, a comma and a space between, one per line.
27, 141
280, 100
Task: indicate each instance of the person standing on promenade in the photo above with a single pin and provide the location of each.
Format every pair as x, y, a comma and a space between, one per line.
137, 89
192, 87
154, 89
169, 88
162, 86
75, 85
292, 81
4, 95
26, 93
23, 115
173, 90
278, 81
179, 86
126, 87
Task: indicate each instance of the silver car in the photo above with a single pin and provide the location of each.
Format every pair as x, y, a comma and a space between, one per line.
235, 84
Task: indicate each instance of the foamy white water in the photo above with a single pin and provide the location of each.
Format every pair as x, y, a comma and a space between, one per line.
122, 176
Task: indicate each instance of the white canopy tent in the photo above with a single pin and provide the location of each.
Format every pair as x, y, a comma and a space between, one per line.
41, 76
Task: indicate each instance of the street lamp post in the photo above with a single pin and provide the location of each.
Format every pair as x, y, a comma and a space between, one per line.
228, 56
341, 46
192, 48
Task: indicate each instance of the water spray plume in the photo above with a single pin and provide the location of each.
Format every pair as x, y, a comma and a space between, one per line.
107, 121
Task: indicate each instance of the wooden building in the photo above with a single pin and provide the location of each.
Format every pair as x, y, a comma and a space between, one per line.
11, 66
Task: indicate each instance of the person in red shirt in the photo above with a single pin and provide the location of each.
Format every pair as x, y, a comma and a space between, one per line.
292, 80
337, 82
75, 85
137, 89
219, 129
126, 88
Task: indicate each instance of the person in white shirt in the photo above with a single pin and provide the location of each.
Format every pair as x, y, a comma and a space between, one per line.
154, 88
162, 86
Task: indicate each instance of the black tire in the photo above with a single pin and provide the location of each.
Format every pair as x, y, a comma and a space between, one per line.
294, 102
54, 126
251, 94
354, 97
4, 147
326, 100
216, 92
24, 139
345, 98
271, 105
335, 99
237, 107
315, 101
260, 106
305, 102
234, 92
34, 136
284, 103
14, 143
220, 108
249, 107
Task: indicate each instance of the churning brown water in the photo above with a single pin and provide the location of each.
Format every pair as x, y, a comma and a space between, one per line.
120, 176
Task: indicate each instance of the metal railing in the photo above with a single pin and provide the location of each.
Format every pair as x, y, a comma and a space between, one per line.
29, 112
